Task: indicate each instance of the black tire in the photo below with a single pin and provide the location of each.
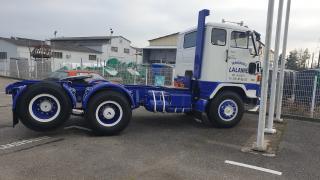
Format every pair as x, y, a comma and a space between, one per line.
225, 110
190, 113
57, 105
108, 103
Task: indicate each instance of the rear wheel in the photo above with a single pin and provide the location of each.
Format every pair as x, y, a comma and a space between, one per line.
108, 113
44, 106
225, 110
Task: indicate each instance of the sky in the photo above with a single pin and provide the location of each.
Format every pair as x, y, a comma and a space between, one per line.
141, 20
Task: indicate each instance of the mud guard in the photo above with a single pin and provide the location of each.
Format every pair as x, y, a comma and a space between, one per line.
102, 86
15, 119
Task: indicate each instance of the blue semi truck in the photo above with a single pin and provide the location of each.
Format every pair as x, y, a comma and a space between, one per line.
217, 64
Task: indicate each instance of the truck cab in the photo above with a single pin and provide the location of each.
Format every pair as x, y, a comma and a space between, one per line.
228, 52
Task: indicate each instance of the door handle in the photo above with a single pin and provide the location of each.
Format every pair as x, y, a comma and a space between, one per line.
227, 55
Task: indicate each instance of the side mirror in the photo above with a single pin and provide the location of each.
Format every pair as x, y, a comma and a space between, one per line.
252, 68
252, 51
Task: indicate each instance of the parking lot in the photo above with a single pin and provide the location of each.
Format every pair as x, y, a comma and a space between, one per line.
154, 146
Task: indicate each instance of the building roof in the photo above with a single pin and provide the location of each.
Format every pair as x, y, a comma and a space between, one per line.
69, 47
23, 41
32, 43
173, 34
87, 38
160, 47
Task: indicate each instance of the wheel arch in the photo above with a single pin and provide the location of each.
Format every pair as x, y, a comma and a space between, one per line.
236, 89
107, 87
20, 90
240, 89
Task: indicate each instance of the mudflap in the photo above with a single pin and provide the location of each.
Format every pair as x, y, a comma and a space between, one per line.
201, 117
15, 119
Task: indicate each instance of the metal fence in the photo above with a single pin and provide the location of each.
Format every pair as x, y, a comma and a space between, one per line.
23, 69
301, 94
122, 73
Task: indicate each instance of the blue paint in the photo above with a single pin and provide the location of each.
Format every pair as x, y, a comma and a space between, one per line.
201, 105
207, 88
200, 43
17, 91
114, 118
41, 114
228, 104
70, 94
106, 85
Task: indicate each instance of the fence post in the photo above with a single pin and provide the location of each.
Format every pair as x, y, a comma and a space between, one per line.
173, 75
102, 67
6, 68
146, 75
18, 73
314, 90
134, 76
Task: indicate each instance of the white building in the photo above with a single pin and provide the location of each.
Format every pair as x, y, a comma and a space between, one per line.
21, 48
161, 50
110, 46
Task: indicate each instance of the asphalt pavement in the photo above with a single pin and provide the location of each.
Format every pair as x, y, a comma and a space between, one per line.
154, 146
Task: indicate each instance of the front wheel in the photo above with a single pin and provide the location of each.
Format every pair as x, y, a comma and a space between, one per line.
225, 110
108, 113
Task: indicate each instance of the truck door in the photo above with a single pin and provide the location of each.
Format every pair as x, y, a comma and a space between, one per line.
239, 57
215, 54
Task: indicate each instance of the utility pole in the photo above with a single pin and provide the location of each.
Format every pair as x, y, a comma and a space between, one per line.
52, 52
270, 128
284, 51
260, 145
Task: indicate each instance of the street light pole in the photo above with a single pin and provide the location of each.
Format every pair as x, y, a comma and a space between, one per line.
260, 145
55, 35
270, 128
283, 57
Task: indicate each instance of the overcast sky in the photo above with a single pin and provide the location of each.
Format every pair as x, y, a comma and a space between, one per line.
140, 20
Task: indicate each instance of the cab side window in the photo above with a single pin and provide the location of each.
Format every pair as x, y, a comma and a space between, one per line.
218, 37
239, 40
190, 40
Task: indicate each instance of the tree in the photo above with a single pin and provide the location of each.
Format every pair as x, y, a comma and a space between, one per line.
298, 59
304, 56
292, 60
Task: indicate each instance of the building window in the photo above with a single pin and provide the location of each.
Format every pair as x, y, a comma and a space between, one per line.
239, 40
190, 39
3, 55
92, 57
127, 51
114, 49
218, 37
57, 55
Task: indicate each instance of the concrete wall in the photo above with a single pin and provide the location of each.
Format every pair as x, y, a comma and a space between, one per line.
121, 44
72, 57
11, 49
